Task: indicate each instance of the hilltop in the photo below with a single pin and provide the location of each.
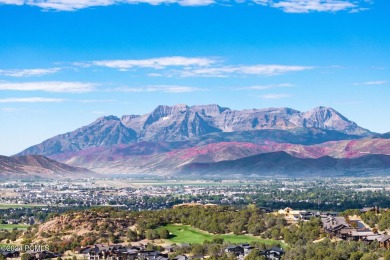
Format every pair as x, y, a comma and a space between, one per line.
33, 166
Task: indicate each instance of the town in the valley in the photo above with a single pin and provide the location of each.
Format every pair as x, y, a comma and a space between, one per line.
343, 210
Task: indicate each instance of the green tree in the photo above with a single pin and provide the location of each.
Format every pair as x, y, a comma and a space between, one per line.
369, 256
217, 240
386, 256
151, 234
163, 233
214, 249
356, 256
255, 254
132, 235
197, 249
27, 257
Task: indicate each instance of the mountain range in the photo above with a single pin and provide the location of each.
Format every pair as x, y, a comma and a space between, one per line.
189, 139
184, 123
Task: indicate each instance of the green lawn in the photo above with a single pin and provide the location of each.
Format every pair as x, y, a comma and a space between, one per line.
188, 234
10, 206
12, 226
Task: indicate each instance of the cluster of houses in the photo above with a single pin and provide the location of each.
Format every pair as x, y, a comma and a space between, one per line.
119, 252
84, 193
39, 255
340, 228
23, 220
241, 251
9, 253
195, 204
293, 216
31, 255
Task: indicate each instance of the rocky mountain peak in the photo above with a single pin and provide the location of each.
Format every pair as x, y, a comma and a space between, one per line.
163, 110
129, 117
279, 110
209, 110
329, 119
103, 119
180, 107
326, 112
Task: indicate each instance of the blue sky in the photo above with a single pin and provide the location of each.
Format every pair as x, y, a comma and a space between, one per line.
63, 63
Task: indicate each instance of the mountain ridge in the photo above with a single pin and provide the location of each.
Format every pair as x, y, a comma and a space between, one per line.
33, 166
285, 164
185, 123
174, 139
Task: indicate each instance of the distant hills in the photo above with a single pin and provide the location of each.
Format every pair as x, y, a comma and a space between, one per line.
190, 139
163, 158
284, 164
386, 135
36, 166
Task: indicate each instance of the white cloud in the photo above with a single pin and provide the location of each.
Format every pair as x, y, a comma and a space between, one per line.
370, 83
306, 6
72, 5
261, 2
156, 63
274, 96
264, 87
12, 2
68, 5
160, 88
265, 70
192, 67
50, 86
28, 72
196, 2
290, 6
31, 100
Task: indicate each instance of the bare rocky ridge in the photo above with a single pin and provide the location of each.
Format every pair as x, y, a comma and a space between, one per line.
33, 166
105, 131
327, 118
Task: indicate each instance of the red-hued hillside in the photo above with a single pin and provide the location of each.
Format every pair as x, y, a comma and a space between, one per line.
39, 166
162, 158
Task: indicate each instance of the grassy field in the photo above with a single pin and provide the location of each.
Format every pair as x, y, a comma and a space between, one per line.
188, 234
12, 226
11, 206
